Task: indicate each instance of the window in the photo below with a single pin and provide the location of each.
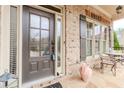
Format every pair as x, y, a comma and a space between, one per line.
39, 35
89, 47
105, 33
110, 41
97, 38
104, 38
97, 31
83, 29
104, 46
34, 42
97, 46
89, 30
13, 39
89, 38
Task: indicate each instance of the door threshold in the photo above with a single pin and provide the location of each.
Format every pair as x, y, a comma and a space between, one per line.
38, 81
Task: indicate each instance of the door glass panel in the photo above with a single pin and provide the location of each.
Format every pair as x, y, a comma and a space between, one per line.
35, 21
44, 49
44, 36
44, 23
59, 30
34, 42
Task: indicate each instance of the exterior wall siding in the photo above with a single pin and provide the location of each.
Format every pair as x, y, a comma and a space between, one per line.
72, 38
72, 35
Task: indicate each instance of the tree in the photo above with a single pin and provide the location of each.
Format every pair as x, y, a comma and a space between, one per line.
116, 42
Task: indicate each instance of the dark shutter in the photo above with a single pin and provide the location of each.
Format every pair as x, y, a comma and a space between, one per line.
110, 36
83, 29
82, 17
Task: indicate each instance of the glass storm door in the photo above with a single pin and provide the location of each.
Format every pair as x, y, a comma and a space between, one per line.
38, 44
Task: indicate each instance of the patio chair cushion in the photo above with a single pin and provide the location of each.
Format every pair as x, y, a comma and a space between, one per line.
85, 72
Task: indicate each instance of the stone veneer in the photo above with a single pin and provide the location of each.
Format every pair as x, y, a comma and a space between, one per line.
73, 34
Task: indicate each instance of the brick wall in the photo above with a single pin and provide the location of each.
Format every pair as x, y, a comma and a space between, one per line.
72, 34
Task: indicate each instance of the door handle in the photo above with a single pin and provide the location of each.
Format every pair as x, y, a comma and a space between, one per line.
53, 57
52, 51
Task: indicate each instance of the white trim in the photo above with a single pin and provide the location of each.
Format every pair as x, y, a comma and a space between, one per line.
63, 42
20, 46
59, 69
56, 45
18, 15
5, 38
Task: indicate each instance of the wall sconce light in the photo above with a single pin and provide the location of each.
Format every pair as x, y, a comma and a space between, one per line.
119, 9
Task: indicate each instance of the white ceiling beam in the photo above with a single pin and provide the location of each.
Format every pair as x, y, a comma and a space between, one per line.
102, 10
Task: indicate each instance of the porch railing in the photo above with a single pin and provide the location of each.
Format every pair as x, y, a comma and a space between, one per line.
121, 49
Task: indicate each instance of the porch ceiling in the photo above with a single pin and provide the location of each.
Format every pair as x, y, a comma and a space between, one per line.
111, 9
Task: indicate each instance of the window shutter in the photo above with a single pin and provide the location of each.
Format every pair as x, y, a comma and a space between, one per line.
83, 29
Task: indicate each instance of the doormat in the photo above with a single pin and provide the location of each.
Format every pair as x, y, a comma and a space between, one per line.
56, 85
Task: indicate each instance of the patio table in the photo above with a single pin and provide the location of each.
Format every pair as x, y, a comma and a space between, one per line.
117, 56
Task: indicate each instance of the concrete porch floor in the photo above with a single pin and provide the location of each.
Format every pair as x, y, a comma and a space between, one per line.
98, 80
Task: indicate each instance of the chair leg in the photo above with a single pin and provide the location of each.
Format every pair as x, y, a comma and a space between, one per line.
101, 68
113, 69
